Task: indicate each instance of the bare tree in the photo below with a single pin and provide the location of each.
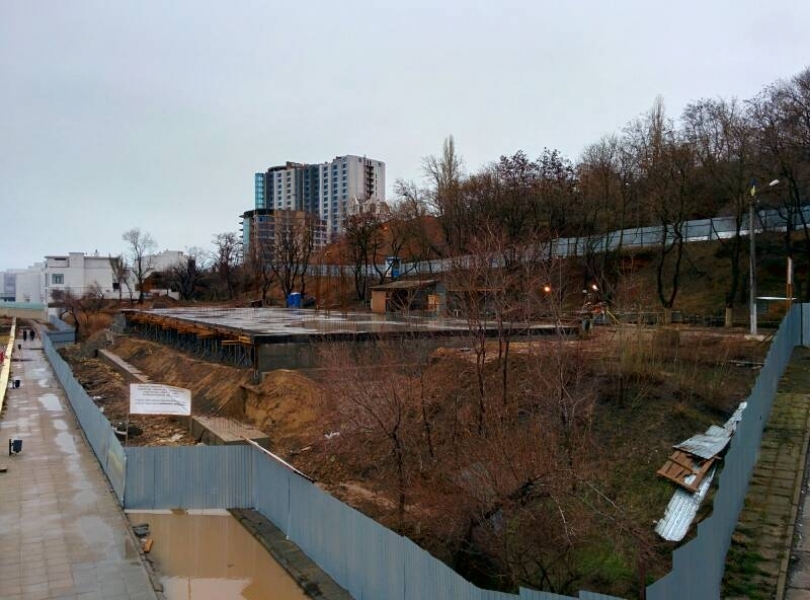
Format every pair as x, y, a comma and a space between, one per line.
421, 231
120, 270
226, 262
781, 116
141, 247
259, 264
666, 168
445, 175
721, 137
187, 274
80, 308
292, 248
364, 240
371, 407
607, 187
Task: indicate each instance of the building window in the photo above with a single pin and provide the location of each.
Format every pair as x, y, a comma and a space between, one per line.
57, 279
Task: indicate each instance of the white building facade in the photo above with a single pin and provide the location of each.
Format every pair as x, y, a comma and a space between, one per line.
23, 285
329, 190
80, 273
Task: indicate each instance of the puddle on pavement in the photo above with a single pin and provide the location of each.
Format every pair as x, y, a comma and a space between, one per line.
66, 443
50, 402
60, 425
211, 556
94, 536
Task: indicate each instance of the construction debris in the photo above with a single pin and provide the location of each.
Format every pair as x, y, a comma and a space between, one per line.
686, 470
681, 511
692, 468
707, 445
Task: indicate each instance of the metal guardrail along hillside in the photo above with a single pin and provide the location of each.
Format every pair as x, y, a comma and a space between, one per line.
371, 561
699, 230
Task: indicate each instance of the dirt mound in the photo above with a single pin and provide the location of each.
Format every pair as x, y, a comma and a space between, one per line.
215, 388
283, 405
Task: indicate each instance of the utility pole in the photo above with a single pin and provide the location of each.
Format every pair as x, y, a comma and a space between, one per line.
752, 263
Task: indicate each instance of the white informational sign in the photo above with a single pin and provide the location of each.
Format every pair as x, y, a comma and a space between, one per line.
158, 399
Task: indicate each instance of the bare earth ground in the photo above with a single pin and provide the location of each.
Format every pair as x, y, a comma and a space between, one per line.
280, 406
696, 377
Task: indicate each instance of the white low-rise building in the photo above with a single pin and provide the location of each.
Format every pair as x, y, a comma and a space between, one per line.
81, 273
30, 284
23, 285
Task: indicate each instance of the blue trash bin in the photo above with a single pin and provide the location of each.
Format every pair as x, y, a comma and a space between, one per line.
14, 447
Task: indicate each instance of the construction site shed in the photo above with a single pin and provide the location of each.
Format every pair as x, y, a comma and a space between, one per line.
402, 295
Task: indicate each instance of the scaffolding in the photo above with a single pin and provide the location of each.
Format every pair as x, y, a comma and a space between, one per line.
208, 342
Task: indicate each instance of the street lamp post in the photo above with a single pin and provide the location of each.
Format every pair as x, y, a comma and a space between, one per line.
752, 258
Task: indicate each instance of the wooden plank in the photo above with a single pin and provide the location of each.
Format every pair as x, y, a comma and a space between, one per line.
681, 465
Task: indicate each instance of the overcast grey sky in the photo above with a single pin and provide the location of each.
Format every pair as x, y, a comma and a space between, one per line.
156, 114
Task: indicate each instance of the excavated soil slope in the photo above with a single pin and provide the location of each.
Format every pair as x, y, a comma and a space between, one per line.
283, 405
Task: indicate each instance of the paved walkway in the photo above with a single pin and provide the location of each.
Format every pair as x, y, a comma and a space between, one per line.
758, 565
798, 580
62, 532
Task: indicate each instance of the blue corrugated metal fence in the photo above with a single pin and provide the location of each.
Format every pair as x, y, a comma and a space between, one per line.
96, 427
